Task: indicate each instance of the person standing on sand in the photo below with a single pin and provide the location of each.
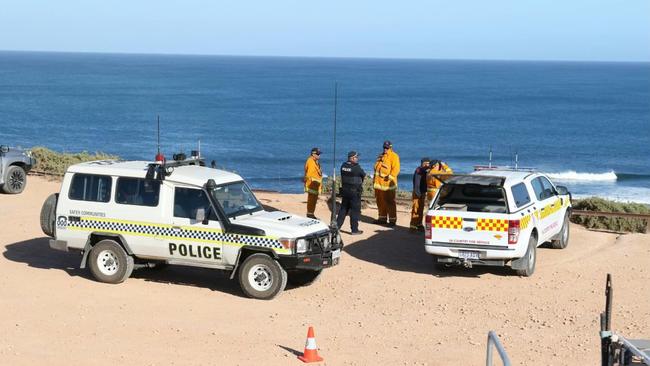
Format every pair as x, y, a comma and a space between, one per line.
313, 181
438, 172
419, 194
352, 176
385, 183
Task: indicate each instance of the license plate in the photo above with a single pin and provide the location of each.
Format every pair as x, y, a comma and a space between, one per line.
336, 254
466, 254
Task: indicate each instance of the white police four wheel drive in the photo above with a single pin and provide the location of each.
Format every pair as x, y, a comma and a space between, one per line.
123, 215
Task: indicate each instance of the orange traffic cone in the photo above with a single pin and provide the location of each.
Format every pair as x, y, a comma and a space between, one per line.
311, 351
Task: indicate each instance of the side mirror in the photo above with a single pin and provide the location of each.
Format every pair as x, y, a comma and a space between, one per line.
4, 149
561, 190
201, 216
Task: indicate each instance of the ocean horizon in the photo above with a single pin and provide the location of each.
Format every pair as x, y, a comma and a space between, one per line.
586, 124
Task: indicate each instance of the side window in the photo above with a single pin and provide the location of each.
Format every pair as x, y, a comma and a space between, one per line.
549, 191
538, 188
520, 194
136, 191
187, 201
88, 187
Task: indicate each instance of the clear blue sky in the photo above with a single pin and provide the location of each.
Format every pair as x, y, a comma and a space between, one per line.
457, 29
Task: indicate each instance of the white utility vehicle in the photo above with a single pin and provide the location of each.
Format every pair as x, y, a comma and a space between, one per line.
123, 215
496, 216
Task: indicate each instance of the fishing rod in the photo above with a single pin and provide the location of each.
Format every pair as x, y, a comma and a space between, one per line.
333, 224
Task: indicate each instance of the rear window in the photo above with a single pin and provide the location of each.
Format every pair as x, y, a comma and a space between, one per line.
136, 191
472, 198
88, 187
520, 194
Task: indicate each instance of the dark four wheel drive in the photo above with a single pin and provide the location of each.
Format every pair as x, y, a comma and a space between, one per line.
14, 165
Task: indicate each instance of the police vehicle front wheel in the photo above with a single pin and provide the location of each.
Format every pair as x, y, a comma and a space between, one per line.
304, 278
262, 277
109, 262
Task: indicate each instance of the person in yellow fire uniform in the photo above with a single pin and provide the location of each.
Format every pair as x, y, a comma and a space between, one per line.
419, 194
313, 181
438, 173
385, 183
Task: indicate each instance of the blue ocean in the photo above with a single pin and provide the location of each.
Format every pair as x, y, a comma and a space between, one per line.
586, 124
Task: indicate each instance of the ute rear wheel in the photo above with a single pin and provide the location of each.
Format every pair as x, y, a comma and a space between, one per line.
15, 180
109, 262
262, 277
304, 278
563, 240
529, 259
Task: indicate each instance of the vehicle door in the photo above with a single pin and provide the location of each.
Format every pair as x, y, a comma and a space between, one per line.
197, 233
543, 209
554, 212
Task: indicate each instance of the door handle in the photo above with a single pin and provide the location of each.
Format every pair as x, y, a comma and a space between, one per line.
542, 209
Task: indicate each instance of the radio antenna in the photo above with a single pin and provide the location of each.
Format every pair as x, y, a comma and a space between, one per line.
516, 160
490, 162
159, 157
333, 196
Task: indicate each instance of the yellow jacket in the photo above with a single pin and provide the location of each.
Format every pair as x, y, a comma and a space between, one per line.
386, 171
313, 176
436, 176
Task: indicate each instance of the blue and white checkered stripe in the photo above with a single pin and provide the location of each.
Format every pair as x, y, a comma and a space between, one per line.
168, 231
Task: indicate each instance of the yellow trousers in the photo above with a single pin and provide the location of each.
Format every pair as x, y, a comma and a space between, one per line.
417, 211
311, 203
386, 205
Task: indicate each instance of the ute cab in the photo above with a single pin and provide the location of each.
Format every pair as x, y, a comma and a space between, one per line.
122, 215
496, 217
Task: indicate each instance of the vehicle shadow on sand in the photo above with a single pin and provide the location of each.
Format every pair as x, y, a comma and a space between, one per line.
36, 253
401, 250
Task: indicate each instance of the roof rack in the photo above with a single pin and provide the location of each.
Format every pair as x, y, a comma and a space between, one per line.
506, 168
161, 169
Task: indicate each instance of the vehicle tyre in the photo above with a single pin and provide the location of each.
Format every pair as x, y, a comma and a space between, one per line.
48, 215
303, 278
262, 277
529, 258
15, 180
563, 240
109, 262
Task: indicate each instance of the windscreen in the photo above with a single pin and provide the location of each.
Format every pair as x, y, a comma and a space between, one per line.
236, 199
471, 198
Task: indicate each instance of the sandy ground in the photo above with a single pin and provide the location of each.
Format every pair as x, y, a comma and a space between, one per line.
384, 305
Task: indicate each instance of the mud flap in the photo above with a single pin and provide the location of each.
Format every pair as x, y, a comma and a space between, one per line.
520, 263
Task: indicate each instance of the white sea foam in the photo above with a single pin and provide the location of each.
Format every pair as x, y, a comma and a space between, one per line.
571, 175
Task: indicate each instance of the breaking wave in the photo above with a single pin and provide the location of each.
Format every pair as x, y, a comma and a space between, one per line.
572, 175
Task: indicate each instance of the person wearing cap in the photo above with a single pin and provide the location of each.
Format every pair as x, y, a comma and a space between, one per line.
419, 194
387, 169
437, 174
313, 181
352, 176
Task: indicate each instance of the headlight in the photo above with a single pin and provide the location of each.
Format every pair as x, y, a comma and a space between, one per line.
28, 153
301, 246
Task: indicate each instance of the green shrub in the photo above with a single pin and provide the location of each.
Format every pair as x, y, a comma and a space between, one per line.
618, 224
55, 163
368, 189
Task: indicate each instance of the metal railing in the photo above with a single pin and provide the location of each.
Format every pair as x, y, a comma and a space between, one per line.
494, 342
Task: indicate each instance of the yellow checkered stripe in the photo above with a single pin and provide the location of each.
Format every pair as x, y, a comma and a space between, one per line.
446, 222
551, 209
491, 225
187, 233
523, 223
